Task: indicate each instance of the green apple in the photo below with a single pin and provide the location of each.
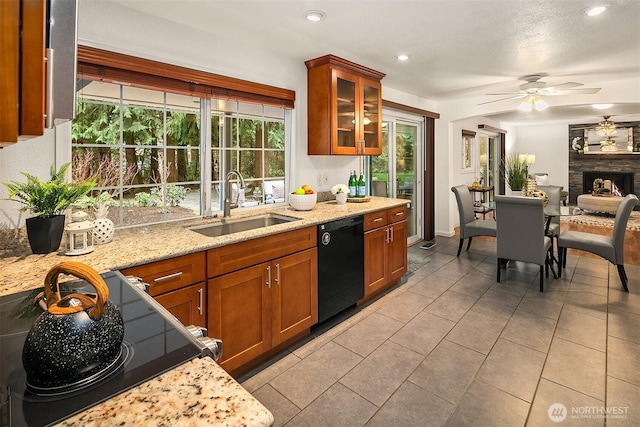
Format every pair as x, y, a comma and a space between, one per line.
300, 190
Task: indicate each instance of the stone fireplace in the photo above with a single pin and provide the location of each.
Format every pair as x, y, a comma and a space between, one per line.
623, 169
622, 180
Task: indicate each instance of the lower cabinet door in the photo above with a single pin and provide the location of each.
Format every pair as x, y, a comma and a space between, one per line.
239, 306
397, 253
294, 287
375, 272
186, 304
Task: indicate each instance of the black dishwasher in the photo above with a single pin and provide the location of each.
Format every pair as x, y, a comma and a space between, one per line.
340, 265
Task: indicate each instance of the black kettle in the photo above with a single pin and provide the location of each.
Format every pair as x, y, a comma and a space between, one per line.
77, 339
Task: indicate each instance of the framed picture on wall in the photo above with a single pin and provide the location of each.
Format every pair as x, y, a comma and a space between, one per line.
468, 139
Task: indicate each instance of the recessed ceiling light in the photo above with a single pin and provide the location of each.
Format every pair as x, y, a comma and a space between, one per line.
402, 57
596, 10
601, 106
314, 15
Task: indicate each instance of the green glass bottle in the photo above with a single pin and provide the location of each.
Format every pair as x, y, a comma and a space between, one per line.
353, 184
362, 186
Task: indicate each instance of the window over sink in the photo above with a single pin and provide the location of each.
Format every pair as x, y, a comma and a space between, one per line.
162, 146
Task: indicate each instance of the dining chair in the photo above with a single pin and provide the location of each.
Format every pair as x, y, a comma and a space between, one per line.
520, 233
609, 248
469, 225
553, 193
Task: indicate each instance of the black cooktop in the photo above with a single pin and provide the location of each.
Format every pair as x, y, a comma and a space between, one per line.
152, 345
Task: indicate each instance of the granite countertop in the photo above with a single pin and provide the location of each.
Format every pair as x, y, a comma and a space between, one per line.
22, 270
197, 392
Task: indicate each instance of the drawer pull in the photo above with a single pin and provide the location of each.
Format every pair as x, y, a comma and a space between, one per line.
377, 219
167, 277
200, 300
399, 213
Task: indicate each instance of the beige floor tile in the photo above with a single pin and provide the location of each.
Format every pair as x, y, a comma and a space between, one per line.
473, 284
281, 408
405, 306
530, 330
620, 300
513, 368
367, 335
624, 325
266, 375
382, 372
551, 394
623, 401
309, 378
587, 303
483, 405
542, 304
623, 360
411, 406
448, 371
577, 367
451, 305
423, 333
477, 331
338, 406
582, 329
432, 286
497, 304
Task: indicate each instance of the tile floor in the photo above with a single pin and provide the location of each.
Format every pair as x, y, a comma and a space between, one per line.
450, 346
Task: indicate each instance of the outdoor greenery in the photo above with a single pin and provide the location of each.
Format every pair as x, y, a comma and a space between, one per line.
48, 198
515, 171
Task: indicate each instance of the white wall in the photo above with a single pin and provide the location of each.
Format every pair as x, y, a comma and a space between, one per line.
550, 145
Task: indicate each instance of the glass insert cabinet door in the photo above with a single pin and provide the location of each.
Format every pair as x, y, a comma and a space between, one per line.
357, 115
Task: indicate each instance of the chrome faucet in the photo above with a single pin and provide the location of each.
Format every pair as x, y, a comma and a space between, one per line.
227, 189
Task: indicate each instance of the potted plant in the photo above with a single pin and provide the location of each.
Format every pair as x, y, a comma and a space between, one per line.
341, 192
515, 172
47, 200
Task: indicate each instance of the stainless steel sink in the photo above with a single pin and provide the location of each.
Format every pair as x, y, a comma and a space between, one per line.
229, 226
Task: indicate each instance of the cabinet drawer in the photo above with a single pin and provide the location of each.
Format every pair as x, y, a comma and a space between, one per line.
171, 274
397, 214
375, 219
233, 257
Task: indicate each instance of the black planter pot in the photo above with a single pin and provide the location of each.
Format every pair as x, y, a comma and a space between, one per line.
45, 234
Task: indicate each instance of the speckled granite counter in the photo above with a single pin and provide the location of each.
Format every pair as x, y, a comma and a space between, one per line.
199, 392
135, 246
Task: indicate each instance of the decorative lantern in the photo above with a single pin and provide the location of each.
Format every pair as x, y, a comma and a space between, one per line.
79, 235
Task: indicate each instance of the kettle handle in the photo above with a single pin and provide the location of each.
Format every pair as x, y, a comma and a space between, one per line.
57, 305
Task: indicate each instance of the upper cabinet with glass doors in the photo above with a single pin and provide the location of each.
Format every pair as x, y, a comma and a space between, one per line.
344, 108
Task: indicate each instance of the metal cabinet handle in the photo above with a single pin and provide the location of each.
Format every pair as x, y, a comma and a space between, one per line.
278, 273
167, 277
392, 234
377, 219
268, 277
48, 113
200, 300
399, 213
387, 238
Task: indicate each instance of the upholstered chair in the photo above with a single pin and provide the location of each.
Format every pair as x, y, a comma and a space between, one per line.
609, 248
553, 192
469, 225
520, 233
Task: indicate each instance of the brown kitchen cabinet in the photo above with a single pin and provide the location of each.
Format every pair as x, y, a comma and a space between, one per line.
254, 309
23, 71
344, 108
178, 284
385, 249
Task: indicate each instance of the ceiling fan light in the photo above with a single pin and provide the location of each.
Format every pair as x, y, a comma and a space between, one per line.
601, 106
540, 104
525, 105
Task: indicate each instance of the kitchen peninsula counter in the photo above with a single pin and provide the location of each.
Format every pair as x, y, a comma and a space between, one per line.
197, 392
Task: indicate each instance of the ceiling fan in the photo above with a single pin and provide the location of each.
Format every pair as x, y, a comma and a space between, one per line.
534, 89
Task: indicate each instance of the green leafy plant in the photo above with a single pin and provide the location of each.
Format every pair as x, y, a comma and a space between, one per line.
515, 171
48, 198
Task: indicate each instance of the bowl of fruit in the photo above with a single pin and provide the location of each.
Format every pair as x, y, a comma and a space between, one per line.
303, 199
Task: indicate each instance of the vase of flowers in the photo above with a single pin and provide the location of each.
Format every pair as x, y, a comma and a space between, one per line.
341, 192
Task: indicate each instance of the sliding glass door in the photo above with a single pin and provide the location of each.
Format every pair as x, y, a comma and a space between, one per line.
397, 172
